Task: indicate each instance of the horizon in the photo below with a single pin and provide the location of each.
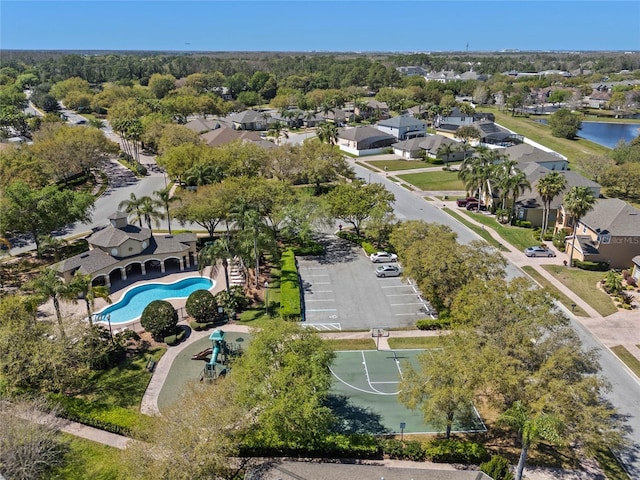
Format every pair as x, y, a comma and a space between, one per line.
330, 26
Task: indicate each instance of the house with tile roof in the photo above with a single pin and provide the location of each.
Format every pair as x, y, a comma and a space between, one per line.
121, 250
250, 120
372, 108
364, 140
432, 143
201, 125
403, 127
409, 149
608, 233
525, 153
530, 206
224, 135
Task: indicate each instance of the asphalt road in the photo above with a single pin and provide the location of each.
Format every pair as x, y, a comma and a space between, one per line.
625, 387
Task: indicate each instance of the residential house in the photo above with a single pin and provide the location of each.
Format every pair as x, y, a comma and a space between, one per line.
201, 125
224, 135
121, 249
608, 233
409, 149
525, 153
432, 143
250, 120
493, 134
312, 120
411, 71
598, 99
364, 140
372, 108
530, 206
457, 119
403, 127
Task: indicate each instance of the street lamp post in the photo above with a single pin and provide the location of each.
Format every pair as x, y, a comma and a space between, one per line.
266, 297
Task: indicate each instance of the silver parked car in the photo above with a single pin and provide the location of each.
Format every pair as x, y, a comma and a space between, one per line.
380, 257
388, 271
539, 252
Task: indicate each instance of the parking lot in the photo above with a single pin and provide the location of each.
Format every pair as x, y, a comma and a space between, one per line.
342, 292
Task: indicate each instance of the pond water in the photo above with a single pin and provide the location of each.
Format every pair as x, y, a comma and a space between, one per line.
607, 134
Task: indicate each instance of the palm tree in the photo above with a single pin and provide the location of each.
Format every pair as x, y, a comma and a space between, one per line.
202, 174
328, 133
518, 184
220, 251
531, 428
49, 285
81, 285
326, 108
253, 234
578, 202
446, 150
133, 207
150, 212
549, 187
165, 199
277, 129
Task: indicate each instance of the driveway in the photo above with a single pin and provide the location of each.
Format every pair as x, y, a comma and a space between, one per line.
342, 292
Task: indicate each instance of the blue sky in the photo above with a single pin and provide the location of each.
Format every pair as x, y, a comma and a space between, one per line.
328, 25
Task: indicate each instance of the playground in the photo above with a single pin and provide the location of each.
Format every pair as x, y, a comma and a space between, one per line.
203, 360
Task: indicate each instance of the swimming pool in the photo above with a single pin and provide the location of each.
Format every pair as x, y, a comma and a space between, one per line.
134, 301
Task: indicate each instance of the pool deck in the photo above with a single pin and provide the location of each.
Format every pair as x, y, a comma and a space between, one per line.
78, 311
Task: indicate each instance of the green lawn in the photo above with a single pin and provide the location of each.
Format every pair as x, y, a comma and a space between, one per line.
401, 343
87, 460
546, 284
583, 283
393, 165
538, 132
351, 343
367, 166
519, 237
628, 359
486, 236
610, 465
434, 181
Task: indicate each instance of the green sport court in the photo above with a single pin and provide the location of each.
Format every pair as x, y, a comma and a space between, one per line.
366, 387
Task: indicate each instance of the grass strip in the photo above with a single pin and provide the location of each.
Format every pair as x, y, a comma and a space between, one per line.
627, 358
519, 237
484, 234
351, 343
395, 165
434, 180
87, 460
547, 285
610, 465
403, 343
584, 284
367, 166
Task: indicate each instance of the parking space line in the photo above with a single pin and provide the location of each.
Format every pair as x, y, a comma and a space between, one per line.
401, 295
321, 283
321, 300
321, 310
323, 291
394, 286
402, 304
405, 314
318, 275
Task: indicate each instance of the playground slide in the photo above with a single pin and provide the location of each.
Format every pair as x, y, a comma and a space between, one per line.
201, 355
214, 355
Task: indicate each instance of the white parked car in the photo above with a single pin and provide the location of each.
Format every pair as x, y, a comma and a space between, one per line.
380, 257
388, 271
539, 252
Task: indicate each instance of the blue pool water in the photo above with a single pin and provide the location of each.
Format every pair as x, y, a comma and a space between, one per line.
134, 301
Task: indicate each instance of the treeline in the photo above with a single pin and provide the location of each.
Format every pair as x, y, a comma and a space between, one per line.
324, 70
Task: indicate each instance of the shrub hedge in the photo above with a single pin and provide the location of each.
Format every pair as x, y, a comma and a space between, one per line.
289, 287
433, 324
312, 248
455, 451
592, 266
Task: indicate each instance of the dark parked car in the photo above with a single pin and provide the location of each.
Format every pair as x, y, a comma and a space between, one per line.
462, 202
475, 206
